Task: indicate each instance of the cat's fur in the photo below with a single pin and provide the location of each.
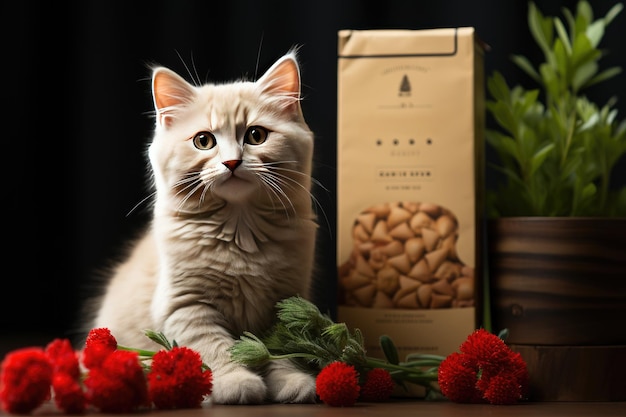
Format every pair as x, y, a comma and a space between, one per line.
233, 229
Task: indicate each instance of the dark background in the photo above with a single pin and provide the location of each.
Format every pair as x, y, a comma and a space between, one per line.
76, 103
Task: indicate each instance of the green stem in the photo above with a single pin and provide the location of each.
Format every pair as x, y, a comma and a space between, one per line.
378, 363
420, 356
375, 362
406, 372
293, 356
147, 353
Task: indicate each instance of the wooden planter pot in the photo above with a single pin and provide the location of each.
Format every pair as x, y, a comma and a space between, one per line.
559, 286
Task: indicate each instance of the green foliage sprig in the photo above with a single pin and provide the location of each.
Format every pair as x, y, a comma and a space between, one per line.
556, 148
312, 340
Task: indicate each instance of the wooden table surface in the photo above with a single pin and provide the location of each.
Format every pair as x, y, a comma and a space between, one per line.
396, 408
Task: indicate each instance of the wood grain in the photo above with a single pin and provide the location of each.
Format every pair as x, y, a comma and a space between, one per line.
558, 281
575, 373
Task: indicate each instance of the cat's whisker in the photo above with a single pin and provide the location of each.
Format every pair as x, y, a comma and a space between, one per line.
286, 178
189, 184
270, 184
143, 200
190, 177
192, 190
278, 166
207, 187
274, 185
317, 204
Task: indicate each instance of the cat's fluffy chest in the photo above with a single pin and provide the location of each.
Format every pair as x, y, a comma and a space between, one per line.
202, 261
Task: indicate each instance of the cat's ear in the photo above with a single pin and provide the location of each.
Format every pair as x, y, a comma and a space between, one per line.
283, 80
170, 92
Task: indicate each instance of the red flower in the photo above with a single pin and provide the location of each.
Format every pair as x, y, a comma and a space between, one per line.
101, 336
378, 385
100, 343
25, 378
485, 348
63, 357
502, 389
337, 384
177, 380
485, 369
68, 394
118, 385
457, 379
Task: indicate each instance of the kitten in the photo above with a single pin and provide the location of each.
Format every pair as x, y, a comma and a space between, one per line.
233, 229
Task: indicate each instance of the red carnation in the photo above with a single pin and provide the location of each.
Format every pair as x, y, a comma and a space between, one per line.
63, 357
177, 380
68, 394
457, 377
503, 390
485, 369
378, 385
485, 348
119, 384
25, 378
519, 370
337, 384
100, 343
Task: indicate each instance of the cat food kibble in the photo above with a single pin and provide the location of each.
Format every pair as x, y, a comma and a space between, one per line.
404, 256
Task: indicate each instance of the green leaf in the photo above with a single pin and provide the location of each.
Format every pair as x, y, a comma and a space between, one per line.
337, 334
503, 144
590, 123
539, 157
550, 79
562, 61
159, 338
571, 165
612, 13
249, 350
584, 11
583, 74
541, 30
503, 334
511, 173
389, 349
524, 64
503, 115
582, 51
571, 21
498, 88
589, 191
603, 76
562, 33
595, 32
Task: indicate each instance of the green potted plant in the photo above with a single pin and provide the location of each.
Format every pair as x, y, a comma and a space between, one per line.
557, 149
556, 232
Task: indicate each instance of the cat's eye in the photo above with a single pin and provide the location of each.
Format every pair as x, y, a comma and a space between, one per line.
255, 135
204, 140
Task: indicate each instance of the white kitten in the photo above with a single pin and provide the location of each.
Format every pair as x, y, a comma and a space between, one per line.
233, 230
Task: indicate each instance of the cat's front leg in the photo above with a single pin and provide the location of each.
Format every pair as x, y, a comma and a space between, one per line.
203, 329
288, 384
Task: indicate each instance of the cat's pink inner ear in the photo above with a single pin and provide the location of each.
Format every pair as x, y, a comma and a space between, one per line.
283, 78
169, 91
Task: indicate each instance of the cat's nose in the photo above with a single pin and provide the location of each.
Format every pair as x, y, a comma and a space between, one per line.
232, 164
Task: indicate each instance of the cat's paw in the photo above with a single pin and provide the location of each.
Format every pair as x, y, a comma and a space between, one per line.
238, 386
291, 387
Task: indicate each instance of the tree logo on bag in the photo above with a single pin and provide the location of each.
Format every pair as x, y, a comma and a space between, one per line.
405, 87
